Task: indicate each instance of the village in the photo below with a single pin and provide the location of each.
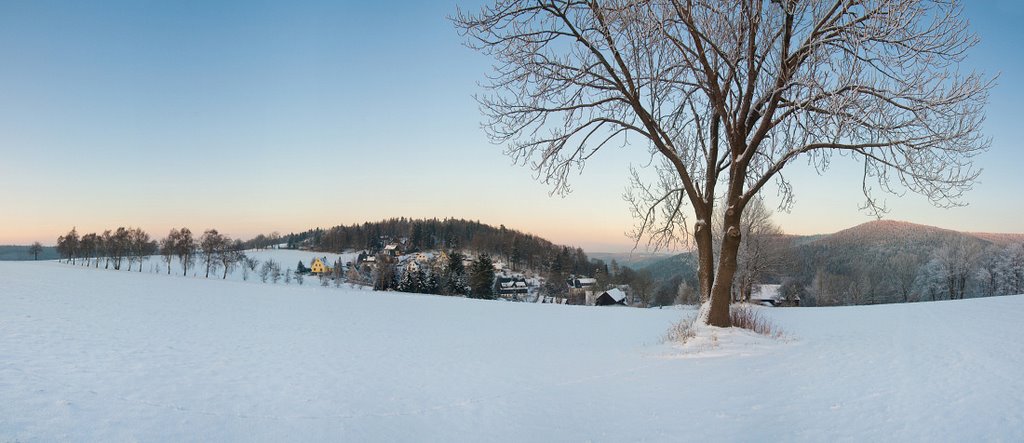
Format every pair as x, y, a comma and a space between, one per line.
392, 266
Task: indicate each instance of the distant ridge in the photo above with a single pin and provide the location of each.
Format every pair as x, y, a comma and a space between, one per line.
998, 239
871, 258
903, 231
886, 231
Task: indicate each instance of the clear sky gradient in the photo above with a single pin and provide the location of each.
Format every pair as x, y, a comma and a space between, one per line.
256, 116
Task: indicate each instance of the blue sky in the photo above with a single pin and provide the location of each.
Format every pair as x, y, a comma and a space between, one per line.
258, 116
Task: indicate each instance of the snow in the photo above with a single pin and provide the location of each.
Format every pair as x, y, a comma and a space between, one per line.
94, 355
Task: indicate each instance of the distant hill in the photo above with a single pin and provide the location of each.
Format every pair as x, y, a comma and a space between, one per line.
17, 253
889, 232
874, 262
683, 265
635, 260
998, 239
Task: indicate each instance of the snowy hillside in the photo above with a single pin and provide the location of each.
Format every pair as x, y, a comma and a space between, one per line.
93, 355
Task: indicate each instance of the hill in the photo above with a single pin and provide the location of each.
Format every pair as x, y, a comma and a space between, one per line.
887, 261
635, 260
120, 356
518, 248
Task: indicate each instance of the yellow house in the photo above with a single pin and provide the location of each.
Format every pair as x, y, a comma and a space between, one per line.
318, 267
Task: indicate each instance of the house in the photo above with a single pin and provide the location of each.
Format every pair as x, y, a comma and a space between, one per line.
770, 295
554, 299
581, 290
365, 260
613, 296
512, 287
392, 249
319, 266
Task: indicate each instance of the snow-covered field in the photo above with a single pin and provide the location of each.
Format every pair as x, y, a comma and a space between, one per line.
93, 355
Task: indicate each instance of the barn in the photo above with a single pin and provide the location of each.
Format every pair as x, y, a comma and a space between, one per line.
613, 296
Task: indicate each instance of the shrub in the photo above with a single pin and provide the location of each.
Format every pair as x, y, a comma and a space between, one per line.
682, 331
746, 317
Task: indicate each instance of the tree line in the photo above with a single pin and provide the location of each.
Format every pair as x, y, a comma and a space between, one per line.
125, 247
115, 248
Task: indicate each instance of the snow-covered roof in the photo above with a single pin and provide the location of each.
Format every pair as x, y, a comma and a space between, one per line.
391, 247
766, 292
616, 294
587, 281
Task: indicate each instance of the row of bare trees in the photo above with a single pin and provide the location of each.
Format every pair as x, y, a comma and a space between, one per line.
115, 248
133, 246
215, 250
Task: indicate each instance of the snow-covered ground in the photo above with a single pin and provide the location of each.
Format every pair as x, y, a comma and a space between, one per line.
93, 355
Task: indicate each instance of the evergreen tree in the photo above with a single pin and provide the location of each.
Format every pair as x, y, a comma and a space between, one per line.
454, 275
406, 283
431, 285
481, 278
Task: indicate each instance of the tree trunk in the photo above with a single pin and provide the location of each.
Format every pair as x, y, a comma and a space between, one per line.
721, 292
705, 260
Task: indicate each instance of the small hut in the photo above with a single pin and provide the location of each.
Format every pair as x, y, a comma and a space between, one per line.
613, 296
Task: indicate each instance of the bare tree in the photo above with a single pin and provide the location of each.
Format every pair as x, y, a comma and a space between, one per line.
68, 245
270, 269
231, 255
185, 249
725, 94
35, 249
109, 245
643, 287
902, 270
249, 264
168, 248
90, 248
121, 247
956, 261
212, 243
141, 247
